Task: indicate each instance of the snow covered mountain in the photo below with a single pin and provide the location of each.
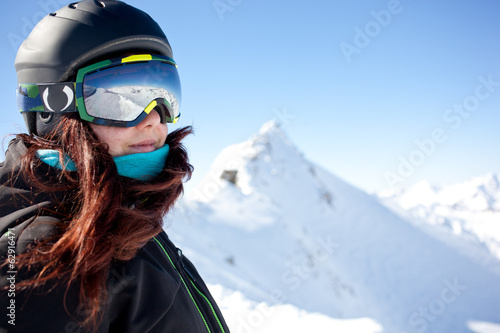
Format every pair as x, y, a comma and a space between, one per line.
465, 215
288, 247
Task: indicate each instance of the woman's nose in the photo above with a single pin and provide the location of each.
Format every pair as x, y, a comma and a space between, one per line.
152, 119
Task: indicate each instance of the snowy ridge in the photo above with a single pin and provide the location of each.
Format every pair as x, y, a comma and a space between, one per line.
280, 239
465, 215
478, 195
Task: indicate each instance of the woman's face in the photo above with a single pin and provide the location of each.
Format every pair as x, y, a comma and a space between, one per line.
149, 135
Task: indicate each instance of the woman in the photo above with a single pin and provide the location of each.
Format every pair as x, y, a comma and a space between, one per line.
83, 195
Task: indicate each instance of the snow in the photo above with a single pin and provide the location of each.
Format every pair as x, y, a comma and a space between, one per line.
244, 315
464, 215
478, 194
483, 327
288, 247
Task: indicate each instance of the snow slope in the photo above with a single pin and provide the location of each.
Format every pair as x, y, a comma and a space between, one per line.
286, 245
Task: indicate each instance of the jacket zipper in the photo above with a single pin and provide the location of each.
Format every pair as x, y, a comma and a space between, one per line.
192, 281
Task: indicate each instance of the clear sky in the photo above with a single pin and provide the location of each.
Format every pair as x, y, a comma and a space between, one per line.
381, 93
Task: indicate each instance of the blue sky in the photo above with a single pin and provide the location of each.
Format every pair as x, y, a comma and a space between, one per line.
381, 93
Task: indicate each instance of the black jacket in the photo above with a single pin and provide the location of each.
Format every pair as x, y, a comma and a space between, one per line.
159, 290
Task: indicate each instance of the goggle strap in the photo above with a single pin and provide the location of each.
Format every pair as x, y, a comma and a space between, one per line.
47, 97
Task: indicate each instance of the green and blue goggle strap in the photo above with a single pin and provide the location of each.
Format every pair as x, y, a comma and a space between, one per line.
63, 97
56, 97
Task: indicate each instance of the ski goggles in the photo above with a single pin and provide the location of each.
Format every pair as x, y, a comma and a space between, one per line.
118, 92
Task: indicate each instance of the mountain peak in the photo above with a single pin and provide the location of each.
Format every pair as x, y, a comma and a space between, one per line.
273, 135
270, 126
489, 181
260, 159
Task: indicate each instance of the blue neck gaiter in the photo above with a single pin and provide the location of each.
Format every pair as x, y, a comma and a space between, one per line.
141, 166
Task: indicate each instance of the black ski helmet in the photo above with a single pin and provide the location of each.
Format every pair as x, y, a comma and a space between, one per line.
79, 34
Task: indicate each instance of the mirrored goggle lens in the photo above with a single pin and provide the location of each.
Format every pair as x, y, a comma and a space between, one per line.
129, 91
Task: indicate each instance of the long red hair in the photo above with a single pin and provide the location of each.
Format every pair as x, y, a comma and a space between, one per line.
104, 217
